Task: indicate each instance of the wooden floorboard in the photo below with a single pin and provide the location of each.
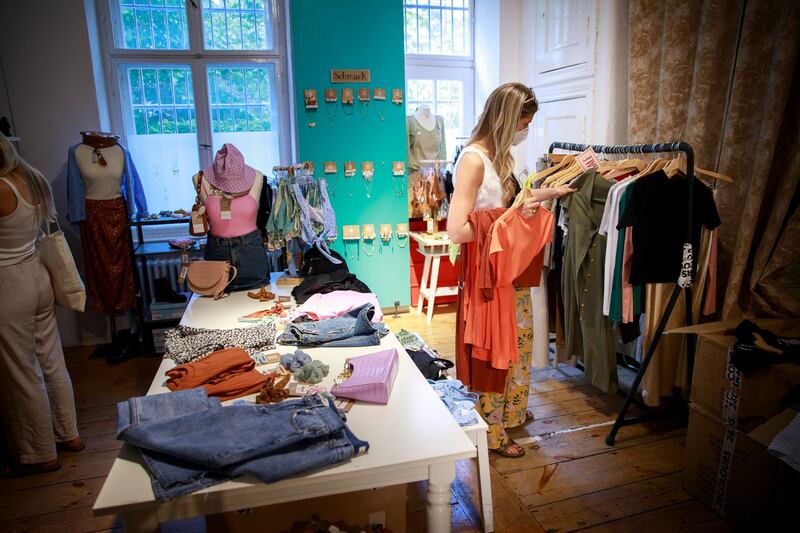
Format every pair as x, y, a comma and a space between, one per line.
611, 504
678, 517
568, 480
559, 481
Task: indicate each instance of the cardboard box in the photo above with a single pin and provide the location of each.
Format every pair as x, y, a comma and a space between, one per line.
732, 473
716, 384
351, 512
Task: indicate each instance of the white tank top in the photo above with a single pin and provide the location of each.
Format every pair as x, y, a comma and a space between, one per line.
490, 193
18, 231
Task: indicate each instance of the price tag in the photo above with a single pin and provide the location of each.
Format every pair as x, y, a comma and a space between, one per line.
198, 220
588, 159
225, 208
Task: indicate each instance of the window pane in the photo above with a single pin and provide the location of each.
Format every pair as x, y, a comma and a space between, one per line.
446, 99
153, 25
162, 131
244, 111
419, 92
237, 25
437, 27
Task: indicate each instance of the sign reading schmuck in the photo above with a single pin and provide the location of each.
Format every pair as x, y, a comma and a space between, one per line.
350, 76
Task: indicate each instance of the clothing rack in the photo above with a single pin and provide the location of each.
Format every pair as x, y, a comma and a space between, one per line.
687, 268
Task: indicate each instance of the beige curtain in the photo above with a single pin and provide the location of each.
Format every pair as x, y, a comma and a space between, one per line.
723, 75
733, 93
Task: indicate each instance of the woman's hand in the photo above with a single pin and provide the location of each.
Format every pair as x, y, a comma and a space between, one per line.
529, 207
551, 193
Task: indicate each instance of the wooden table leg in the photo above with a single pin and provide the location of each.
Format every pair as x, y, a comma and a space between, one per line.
141, 522
440, 476
434, 283
426, 270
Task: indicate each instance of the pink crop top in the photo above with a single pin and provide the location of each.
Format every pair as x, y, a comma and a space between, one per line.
244, 211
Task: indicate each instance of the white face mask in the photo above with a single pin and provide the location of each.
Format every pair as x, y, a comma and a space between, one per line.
519, 137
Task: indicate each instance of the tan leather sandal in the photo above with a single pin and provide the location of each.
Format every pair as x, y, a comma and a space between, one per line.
506, 450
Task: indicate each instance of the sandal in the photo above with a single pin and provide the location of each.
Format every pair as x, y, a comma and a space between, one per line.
528, 417
505, 450
22, 470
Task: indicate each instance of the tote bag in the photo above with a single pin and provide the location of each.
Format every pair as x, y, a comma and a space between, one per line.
56, 256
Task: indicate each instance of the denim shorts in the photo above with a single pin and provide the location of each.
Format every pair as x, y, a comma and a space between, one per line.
247, 253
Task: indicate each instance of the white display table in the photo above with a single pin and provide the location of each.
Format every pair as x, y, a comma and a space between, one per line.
433, 249
412, 438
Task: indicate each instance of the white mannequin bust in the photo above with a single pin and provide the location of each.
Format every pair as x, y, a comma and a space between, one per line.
101, 182
425, 117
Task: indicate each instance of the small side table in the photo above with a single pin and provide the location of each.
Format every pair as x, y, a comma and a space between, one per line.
433, 249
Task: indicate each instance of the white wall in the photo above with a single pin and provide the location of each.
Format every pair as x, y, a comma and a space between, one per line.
52, 86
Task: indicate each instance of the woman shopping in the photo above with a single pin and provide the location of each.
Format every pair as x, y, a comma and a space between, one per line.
37, 407
502, 230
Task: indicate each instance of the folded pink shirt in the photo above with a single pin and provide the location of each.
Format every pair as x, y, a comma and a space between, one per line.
337, 303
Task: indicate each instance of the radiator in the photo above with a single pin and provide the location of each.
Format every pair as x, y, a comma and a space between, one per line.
160, 267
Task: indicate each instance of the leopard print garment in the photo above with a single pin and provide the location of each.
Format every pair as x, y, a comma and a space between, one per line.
185, 344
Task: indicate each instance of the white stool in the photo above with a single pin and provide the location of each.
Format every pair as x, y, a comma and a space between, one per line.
433, 250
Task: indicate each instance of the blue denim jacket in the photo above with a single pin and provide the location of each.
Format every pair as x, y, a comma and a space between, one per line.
189, 441
132, 189
354, 328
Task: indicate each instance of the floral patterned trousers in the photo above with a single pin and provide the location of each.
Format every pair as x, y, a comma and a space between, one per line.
508, 409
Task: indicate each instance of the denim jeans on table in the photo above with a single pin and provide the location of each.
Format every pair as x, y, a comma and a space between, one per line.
459, 401
354, 328
190, 441
246, 253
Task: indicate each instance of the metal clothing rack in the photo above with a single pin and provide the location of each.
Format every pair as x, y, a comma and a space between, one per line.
686, 286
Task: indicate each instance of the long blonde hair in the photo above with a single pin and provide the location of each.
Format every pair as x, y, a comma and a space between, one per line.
505, 107
12, 163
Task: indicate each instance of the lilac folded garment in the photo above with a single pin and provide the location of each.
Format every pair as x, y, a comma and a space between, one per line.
337, 303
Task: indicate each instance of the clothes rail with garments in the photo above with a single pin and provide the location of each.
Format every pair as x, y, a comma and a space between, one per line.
598, 263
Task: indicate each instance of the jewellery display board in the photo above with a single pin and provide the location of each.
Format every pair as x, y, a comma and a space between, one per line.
365, 138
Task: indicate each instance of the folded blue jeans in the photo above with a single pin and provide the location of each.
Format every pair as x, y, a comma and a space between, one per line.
190, 441
354, 328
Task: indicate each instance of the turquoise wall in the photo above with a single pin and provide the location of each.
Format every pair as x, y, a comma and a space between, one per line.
356, 34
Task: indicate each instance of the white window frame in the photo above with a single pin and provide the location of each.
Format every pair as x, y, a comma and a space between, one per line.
448, 67
198, 59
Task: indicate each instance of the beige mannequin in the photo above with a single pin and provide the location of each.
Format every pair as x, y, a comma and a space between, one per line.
101, 182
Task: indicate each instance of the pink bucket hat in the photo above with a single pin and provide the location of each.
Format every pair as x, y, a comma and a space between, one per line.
228, 173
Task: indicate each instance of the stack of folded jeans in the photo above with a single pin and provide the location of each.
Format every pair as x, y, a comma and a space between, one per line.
354, 328
190, 441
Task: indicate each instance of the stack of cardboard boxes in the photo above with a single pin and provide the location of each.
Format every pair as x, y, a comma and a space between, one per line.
733, 418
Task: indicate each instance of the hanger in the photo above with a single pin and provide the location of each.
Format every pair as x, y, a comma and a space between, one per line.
570, 174
564, 163
567, 169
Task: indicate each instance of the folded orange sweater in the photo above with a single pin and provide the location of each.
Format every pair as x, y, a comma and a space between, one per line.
225, 374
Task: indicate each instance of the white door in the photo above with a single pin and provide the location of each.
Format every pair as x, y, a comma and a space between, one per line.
559, 120
565, 39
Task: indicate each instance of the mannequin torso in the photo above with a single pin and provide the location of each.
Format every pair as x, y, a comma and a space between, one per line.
101, 182
244, 209
425, 117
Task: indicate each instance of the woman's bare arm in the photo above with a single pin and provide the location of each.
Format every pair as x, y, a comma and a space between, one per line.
468, 180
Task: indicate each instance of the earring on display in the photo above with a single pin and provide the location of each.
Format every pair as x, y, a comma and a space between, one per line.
349, 172
367, 171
